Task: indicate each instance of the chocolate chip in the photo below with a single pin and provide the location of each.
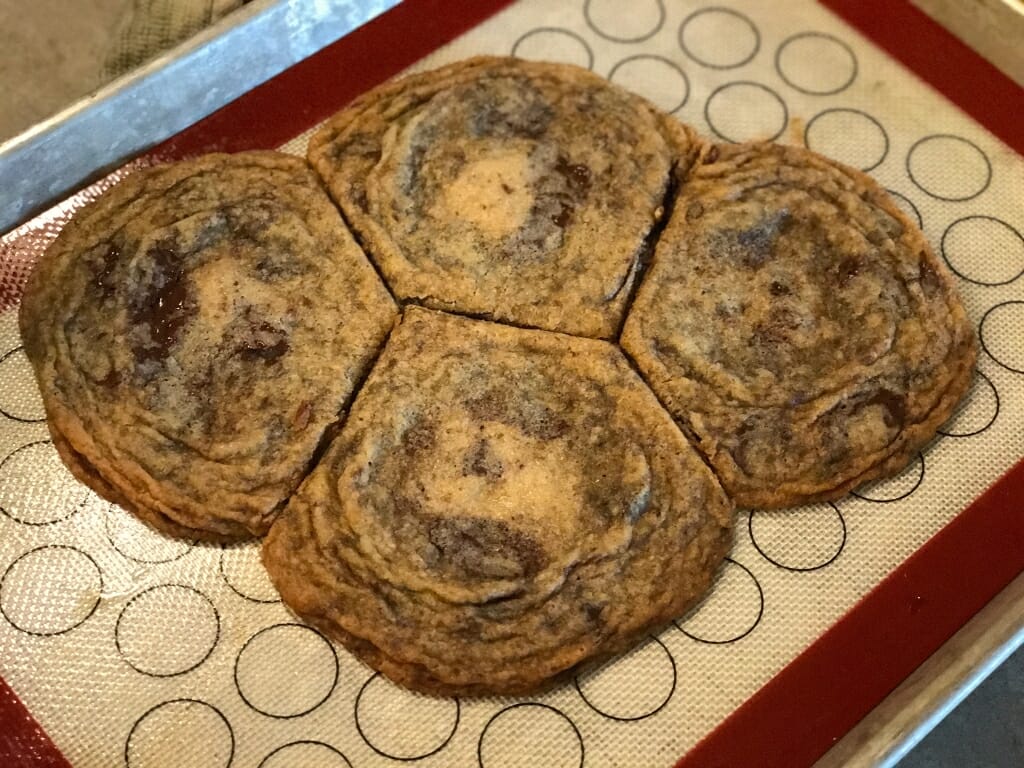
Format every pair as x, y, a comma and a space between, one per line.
593, 612
264, 342
711, 156
848, 269
163, 306
576, 175
563, 217
779, 289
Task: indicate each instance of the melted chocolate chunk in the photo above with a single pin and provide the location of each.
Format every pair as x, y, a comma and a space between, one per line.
264, 342
481, 461
421, 436
359, 196
535, 421
758, 242
576, 175
503, 120
162, 307
104, 277
711, 156
364, 144
848, 269
779, 289
563, 217
544, 425
895, 407
485, 549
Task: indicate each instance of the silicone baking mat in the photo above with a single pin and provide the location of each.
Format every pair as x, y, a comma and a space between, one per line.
133, 649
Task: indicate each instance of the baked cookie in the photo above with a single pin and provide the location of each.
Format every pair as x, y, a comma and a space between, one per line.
798, 326
500, 506
517, 191
195, 331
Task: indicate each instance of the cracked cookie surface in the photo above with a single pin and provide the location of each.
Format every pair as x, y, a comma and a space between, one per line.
194, 331
500, 506
798, 326
517, 191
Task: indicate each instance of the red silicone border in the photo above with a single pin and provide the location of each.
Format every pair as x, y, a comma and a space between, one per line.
819, 696
23, 742
827, 689
941, 59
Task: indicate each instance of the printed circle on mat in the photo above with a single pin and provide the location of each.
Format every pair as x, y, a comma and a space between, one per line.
305, 754
984, 250
384, 713
746, 111
849, 136
894, 488
720, 38
50, 590
907, 206
528, 735
167, 630
976, 412
657, 79
137, 541
731, 609
554, 44
185, 733
36, 488
949, 167
19, 395
1001, 337
286, 670
643, 19
243, 572
816, 63
800, 539
631, 687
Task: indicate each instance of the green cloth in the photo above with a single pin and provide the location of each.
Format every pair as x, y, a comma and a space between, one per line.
151, 26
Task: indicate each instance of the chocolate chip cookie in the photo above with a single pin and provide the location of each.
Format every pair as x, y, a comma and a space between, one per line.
500, 506
798, 326
195, 331
517, 191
